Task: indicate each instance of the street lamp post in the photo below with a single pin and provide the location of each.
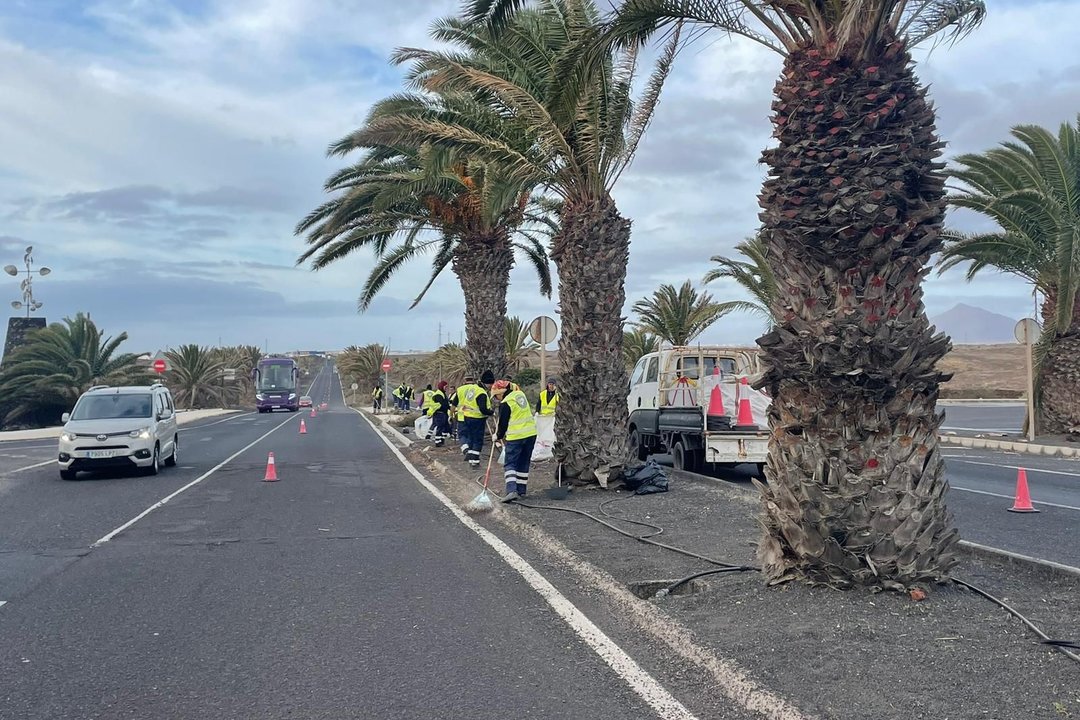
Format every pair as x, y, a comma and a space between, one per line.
27, 284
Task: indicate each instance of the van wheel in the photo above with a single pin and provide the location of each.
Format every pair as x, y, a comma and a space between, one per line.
637, 448
171, 460
155, 467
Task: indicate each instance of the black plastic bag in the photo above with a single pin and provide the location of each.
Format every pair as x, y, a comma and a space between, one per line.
646, 479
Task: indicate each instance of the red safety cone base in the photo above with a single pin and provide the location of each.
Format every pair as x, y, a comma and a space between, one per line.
271, 470
303, 428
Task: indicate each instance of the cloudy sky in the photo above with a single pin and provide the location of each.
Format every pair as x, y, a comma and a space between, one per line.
158, 153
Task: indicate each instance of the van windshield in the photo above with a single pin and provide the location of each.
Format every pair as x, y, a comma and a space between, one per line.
112, 406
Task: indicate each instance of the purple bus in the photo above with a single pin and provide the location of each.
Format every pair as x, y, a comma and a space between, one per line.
275, 384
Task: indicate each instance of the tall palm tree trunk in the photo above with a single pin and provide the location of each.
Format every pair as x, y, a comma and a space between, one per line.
853, 207
591, 251
482, 264
1058, 391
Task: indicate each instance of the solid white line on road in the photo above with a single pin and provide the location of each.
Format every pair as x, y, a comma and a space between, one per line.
30, 467
1027, 468
969, 429
3, 603
44, 446
217, 422
1010, 497
190, 485
640, 681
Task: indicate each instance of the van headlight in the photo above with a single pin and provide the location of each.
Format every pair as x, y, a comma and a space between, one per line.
68, 436
260, 396
292, 396
143, 434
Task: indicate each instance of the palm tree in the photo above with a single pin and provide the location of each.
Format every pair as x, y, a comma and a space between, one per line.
755, 277
363, 364
196, 376
520, 348
853, 206
450, 362
44, 377
638, 343
465, 213
1031, 189
581, 131
677, 316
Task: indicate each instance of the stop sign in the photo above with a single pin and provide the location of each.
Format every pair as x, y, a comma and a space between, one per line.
159, 366
386, 365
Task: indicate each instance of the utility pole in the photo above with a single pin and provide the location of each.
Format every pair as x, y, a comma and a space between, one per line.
439, 345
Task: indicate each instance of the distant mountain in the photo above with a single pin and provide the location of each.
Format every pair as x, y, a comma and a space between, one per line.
969, 325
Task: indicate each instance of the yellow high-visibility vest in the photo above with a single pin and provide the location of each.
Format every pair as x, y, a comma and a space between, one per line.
469, 396
548, 403
522, 423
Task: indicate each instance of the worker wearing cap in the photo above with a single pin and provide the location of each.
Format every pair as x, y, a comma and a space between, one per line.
440, 408
548, 400
475, 409
516, 430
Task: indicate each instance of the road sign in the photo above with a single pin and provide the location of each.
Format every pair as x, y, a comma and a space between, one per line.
230, 375
543, 330
1027, 330
159, 366
354, 386
386, 365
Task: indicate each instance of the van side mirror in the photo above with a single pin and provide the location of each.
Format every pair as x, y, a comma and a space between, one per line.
65, 417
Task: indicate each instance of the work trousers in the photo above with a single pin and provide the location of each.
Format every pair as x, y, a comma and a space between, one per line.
440, 426
472, 439
518, 458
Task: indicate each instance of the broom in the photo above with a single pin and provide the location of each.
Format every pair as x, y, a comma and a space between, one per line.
482, 503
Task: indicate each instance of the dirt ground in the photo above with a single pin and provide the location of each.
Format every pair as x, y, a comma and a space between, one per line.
984, 371
833, 654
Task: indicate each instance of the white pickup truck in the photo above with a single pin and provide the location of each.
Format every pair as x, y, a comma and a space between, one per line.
668, 403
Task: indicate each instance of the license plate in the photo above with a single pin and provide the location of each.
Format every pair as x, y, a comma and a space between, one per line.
99, 454
275, 407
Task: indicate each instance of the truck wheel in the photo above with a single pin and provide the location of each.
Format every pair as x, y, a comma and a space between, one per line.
636, 447
685, 459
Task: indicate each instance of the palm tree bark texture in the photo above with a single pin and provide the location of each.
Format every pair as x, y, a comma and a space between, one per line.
1059, 375
482, 265
852, 211
591, 252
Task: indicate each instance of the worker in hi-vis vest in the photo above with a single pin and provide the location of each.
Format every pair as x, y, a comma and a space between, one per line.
548, 400
475, 409
516, 430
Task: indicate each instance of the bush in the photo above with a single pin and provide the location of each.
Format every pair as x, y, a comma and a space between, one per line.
528, 376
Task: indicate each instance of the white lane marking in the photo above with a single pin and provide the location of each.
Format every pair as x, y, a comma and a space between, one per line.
216, 422
640, 681
30, 467
46, 446
1039, 561
970, 429
1010, 497
190, 485
205, 439
1025, 467
3, 603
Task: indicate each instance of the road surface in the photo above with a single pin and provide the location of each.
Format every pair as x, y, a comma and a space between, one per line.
345, 590
983, 418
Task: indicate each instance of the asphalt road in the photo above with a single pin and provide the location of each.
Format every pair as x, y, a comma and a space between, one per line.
990, 417
345, 590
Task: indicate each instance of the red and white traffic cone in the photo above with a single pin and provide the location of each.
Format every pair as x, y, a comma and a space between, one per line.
271, 470
746, 415
312, 411
303, 427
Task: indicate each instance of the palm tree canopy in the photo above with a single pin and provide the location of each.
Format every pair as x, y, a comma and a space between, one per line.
1031, 189
846, 28
519, 345
572, 132
756, 277
196, 376
58, 363
432, 199
637, 343
678, 316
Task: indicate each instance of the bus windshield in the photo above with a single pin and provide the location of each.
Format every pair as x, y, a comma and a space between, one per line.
276, 376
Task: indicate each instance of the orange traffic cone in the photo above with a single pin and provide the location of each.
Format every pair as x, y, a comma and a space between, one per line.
1022, 503
271, 470
312, 411
746, 415
303, 427
716, 401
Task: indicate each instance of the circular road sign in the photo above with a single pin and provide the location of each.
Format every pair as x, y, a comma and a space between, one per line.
543, 330
1027, 330
159, 366
386, 365
354, 386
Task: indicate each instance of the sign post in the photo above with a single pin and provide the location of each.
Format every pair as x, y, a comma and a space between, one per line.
1026, 331
386, 365
543, 330
353, 388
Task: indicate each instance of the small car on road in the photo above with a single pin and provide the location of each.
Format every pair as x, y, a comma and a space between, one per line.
305, 401
117, 428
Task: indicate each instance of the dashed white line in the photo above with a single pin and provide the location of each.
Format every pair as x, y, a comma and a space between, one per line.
30, 467
637, 678
3, 603
1025, 467
190, 485
1010, 497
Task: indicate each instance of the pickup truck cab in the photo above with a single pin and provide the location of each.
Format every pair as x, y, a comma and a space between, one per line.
668, 406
